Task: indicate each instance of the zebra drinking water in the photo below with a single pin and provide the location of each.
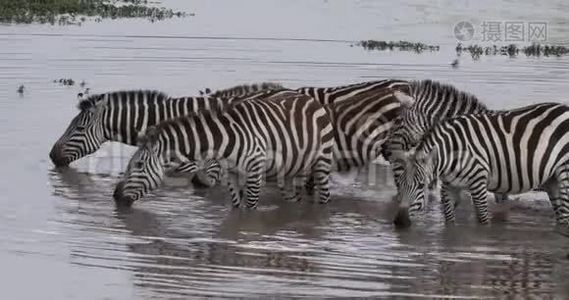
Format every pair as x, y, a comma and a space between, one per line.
429, 102
506, 152
285, 136
120, 116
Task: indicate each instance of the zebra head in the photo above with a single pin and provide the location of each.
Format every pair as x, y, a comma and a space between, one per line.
413, 184
144, 172
404, 137
84, 135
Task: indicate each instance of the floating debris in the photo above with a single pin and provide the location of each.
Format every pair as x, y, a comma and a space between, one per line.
400, 45
454, 64
512, 50
75, 12
65, 81
21, 89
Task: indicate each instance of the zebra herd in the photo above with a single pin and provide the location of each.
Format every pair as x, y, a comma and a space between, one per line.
429, 132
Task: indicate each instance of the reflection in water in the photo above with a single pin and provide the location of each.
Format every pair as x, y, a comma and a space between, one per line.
179, 243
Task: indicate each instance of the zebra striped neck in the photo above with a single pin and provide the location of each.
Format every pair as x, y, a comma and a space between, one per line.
437, 101
128, 113
428, 149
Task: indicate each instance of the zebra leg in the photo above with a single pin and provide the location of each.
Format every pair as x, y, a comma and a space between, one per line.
561, 204
447, 195
321, 174
255, 171
479, 194
289, 191
210, 178
213, 171
234, 190
253, 189
553, 189
309, 186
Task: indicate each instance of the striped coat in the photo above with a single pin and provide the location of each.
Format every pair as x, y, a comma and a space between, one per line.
505, 152
282, 137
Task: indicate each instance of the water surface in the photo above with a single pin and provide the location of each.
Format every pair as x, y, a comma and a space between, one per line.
61, 236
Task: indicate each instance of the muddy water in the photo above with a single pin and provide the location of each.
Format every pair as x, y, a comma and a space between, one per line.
61, 237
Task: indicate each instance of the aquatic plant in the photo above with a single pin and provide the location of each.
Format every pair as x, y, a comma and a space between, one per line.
65, 81
512, 50
400, 45
66, 12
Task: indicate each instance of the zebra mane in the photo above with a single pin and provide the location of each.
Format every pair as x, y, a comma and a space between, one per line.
448, 99
92, 100
245, 89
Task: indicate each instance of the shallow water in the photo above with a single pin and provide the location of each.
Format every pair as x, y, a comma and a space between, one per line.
61, 236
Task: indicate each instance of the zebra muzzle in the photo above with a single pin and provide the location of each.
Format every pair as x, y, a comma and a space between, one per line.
58, 159
122, 200
402, 219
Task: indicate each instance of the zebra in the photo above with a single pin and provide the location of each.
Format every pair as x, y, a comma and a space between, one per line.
508, 152
284, 136
121, 115
427, 103
362, 114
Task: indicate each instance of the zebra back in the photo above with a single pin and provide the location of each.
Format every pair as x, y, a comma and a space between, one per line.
329, 95
245, 89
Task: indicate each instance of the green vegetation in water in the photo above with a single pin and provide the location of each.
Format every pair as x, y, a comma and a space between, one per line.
69, 12
400, 45
512, 50
84, 91
67, 82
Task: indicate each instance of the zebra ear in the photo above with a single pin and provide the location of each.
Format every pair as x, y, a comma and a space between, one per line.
148, 137
405, 99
